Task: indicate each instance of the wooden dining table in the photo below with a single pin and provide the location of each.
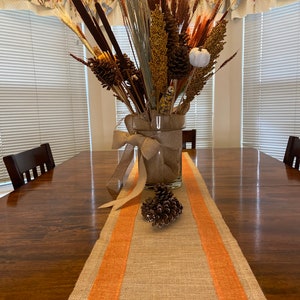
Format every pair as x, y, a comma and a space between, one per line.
49, 226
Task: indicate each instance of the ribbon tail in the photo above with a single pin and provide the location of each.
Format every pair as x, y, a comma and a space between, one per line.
108, 204
115, 183
118, 203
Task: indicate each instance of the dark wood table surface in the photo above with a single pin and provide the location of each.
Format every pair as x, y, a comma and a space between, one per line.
49, 226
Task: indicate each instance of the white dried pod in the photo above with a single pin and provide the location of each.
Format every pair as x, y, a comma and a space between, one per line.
199, 58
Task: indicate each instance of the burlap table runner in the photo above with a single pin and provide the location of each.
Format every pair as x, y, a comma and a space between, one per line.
196, 257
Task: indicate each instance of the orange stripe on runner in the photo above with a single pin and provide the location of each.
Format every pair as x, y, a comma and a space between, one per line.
226, 281
109, 279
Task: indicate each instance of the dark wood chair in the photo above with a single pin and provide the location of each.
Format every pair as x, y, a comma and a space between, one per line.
292, 152
28, 165
189, 136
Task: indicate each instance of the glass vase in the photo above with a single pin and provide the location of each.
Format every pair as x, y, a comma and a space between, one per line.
166, 165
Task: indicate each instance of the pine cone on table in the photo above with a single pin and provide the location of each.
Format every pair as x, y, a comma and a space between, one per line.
163, 209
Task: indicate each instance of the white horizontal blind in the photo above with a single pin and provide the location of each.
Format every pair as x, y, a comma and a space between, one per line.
271, 97
199, 116
42, 89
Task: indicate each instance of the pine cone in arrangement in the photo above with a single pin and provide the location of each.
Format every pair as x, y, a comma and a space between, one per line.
172, 30
179, 63
105, 72
163, 209
184, 38
130, 70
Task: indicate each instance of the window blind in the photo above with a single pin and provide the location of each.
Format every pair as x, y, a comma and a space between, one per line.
271, 83
42, 89
199, 116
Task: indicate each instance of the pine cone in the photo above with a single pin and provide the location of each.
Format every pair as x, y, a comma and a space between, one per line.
179, 63
134, 81
130, 69
172, 31
163, 209
184, 39
105, 72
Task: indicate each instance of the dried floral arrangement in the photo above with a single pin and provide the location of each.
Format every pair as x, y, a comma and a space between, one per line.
176, 49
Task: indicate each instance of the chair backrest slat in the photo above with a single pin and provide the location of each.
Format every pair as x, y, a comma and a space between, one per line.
26, 163
42, 168
189, 136
35, 172
28, 175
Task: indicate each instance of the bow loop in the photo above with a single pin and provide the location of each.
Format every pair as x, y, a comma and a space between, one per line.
119, 139
148, 146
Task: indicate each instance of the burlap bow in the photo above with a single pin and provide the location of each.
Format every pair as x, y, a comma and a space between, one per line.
148, 147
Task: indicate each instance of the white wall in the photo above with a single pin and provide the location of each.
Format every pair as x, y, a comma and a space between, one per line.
228, 91
102, 114
227, 105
